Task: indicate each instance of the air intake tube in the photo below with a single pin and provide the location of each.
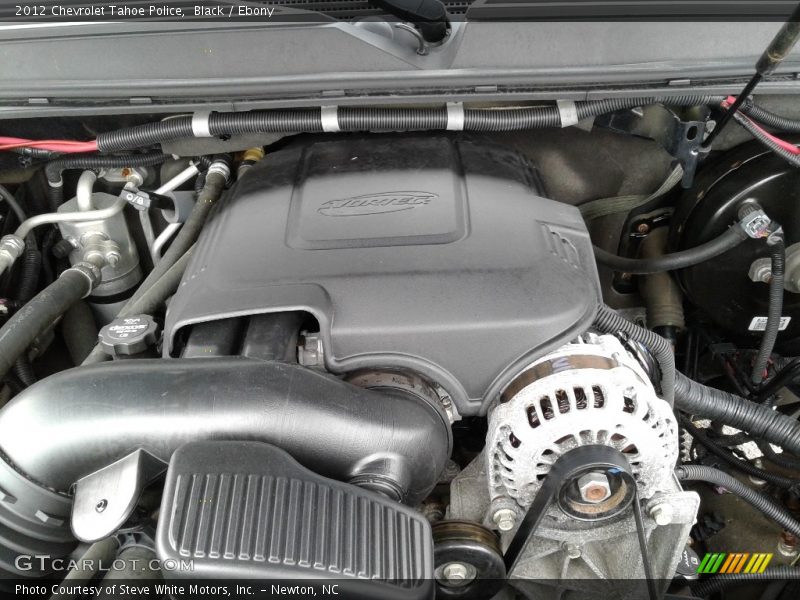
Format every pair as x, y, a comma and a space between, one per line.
78, 421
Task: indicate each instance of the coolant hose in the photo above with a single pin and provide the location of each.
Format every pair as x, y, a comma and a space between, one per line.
675, 260
355, 118
777, 251
761, 502
53, 169
78, 421
36, 316
608, 321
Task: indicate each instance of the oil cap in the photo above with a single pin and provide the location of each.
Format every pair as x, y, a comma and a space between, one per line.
128, 335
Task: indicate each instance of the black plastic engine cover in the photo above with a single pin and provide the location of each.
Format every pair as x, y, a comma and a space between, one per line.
431, 253
248, 510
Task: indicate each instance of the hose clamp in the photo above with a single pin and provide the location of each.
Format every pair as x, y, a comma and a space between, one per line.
12, 245
90, 271
220, 168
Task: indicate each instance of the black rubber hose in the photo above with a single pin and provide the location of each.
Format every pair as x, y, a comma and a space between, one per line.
37, 315
745, 467
215, 182
309, 120
608, 321
758, 420
155, 295
777, 251
676, 260
53, 169
767, 141
27, 285
30, 268
709, 586
757, 500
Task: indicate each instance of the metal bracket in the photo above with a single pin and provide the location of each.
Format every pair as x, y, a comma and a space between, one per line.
682, 139
105, 499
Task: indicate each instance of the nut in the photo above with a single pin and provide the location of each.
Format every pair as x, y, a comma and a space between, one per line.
113, 257
505, 519
760, 270
594, 487
662, 514
573, 550
455, 571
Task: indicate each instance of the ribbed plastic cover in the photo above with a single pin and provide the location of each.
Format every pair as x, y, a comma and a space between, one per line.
249, 510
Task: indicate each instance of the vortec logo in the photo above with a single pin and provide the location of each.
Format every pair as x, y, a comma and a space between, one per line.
375, 204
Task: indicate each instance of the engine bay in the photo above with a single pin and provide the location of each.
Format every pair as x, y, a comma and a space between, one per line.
528, 358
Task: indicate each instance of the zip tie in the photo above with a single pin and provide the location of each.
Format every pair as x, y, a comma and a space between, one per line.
455, 116
568, 112
201, 124
330, 118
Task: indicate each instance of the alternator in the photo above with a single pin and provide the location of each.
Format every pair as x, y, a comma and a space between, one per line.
592, 392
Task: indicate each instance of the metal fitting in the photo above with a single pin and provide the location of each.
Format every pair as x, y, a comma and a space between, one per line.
455, 571
505, 519
594, 487
456, 574
221, 168
662, 514
761, 270
573, 550
89, 270
11, 247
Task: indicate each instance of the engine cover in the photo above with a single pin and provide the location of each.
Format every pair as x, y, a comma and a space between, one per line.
434, 254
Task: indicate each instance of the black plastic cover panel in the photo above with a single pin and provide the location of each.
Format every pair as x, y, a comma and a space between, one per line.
432, 253
248, 510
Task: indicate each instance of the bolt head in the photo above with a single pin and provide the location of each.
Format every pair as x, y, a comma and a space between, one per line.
662, 514
505, 519
760, 271
594, 487
573, 551
455, 571
113, 258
